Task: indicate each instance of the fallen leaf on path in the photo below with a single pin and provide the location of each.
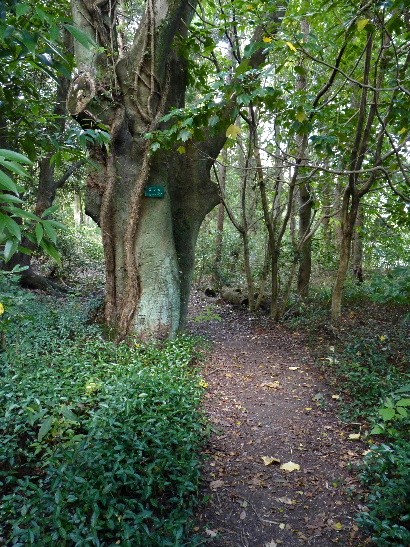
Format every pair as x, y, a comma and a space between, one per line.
282, 526
271, 544
273, 385
211, 533
337, 397
242, 516
268, 460
354, 436
286, 501
293, 368
290, 466
338, 526
214, 485
308, 408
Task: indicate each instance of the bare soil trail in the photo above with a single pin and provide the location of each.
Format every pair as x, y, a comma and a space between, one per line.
270, 405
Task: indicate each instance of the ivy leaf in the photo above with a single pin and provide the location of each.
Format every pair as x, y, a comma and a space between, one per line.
361, 23
387, 413
233, 131
184, 135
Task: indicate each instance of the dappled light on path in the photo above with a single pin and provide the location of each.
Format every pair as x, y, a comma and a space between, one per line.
279, 459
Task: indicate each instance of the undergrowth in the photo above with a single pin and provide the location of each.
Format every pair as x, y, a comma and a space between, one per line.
368, 358
99, 442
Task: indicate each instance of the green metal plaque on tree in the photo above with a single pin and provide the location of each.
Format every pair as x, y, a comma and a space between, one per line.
154, 192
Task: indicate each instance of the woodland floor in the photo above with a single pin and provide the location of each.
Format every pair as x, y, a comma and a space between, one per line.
266, 398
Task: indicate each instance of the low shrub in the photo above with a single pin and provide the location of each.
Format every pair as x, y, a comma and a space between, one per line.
387, 474
98, 443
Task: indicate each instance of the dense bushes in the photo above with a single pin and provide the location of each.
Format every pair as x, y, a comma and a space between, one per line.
99, 443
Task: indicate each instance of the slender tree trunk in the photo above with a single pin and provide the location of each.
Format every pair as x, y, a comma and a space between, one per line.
357, 254
349, 213
305, 204
305, 253
217, 281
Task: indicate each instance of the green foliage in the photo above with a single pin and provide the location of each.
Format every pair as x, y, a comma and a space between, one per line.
393, 286
99, 443
82, 256
387, 474
394, 414
370, 368
15, 221
209, 314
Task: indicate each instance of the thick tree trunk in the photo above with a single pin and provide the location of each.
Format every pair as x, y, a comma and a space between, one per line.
149, 243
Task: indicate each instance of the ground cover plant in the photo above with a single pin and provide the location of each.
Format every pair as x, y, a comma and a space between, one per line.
368, 360
99, 442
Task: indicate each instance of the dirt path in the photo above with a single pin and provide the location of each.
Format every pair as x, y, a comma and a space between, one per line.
267, 399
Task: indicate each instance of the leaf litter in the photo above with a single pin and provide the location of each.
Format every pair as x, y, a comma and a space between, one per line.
254, 499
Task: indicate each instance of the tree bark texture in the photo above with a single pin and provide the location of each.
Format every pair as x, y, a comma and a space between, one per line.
149, 243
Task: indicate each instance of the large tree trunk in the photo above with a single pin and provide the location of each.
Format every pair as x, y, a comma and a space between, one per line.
149, 243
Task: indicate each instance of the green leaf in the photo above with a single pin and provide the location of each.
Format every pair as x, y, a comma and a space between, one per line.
45, 427
15, 168
39, 233
12, 227
361, 23
184, 135
21, 213
49, 211
402, 411
7, 184
387, 413
377, 430
9, 198
50, 232
403, 402
10, 248
69, 414
57, 224
50, 249
22, 9
81, 36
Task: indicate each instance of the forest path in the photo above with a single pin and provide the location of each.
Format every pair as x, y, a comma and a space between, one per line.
266, 398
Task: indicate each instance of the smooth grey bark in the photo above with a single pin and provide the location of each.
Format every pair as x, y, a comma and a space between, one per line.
149, 244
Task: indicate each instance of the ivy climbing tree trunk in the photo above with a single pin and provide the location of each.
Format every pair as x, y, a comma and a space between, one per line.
149, 242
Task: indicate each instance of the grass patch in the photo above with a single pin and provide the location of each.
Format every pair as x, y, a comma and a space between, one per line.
98, 443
